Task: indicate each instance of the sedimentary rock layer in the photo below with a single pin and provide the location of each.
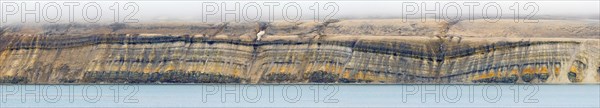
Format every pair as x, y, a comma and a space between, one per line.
350, 51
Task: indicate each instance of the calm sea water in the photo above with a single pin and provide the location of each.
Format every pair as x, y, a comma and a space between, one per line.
353, 95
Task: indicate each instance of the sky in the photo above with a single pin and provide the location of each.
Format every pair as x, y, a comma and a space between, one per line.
104, 11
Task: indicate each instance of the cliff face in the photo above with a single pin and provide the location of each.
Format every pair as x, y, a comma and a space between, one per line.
351, 51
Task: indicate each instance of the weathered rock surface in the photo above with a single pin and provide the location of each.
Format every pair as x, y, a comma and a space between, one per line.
346, 51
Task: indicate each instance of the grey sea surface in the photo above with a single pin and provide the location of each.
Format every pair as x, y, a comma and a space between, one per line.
300, 95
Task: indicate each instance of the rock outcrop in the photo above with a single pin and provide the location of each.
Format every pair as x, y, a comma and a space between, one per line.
346, 51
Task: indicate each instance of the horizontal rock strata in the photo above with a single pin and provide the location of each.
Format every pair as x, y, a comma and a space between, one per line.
330, 52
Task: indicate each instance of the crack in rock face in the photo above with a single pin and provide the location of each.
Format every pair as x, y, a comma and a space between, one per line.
335, 51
